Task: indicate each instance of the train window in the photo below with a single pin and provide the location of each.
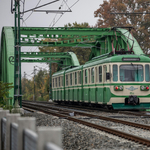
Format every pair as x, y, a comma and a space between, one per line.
66, 80
71, 79
56, 81
147, 73
96, 74
79, 77
115, 73
53, 83
75, 78
62, 81
92, 75
59, 81
131, 72
100, 73
89, 74
86, 76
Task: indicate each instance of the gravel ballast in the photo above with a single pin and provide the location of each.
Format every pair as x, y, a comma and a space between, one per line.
79, 137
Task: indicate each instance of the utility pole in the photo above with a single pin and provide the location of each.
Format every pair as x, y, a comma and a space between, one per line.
50, 81
17, 60
34, 86
17, 55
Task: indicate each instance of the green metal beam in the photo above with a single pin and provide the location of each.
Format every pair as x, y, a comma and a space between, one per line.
44, 55
7, 50
129, 38
39, 61
66, 58
66, 37
100, 40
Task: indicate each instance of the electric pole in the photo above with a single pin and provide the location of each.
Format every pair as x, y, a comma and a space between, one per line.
15, 8
17, 60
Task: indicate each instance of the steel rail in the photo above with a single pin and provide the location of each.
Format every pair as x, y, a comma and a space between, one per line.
93, 108
129, 123
106, 129
87, 108
134, 113
137, 125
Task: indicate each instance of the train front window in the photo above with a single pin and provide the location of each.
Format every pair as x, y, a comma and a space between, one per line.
131, 72
115, 73
147, 73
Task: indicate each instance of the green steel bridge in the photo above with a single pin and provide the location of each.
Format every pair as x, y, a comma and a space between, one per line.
100, 40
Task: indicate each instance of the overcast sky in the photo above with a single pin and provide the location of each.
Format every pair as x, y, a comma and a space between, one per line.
82, 11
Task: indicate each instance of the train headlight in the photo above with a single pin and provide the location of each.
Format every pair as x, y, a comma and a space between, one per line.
118, 88
121, 87
144, 88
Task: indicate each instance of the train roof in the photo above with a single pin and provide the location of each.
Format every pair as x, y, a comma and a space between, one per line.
109, 59
117, 58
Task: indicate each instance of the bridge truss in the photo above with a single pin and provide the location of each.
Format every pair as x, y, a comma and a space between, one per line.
100, 40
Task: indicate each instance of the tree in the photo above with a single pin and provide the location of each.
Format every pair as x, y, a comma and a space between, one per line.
41, 87
41, 82
27, 89
4, 89
77, 25
140, 22
4, 92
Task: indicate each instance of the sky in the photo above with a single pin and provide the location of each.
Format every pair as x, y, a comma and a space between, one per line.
82, 11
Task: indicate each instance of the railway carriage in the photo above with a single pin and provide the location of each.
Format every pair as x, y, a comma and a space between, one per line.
118, 82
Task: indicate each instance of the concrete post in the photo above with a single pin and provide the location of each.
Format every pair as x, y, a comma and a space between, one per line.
28, 123
3, 114
51, 146
49, 134
11, 118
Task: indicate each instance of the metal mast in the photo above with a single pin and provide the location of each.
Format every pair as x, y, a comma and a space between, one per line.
17, 60
17, 49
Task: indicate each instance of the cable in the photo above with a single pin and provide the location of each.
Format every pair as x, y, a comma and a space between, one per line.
56, 14
32, 11
74, 3
62, 13
58, 20
23, 21
66, 3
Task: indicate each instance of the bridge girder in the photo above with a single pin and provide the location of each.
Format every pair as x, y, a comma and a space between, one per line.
100, 40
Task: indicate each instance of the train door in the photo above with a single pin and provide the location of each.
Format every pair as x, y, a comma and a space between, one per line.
106, 85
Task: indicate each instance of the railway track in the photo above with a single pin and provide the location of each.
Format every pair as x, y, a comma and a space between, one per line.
63, 113
91, 109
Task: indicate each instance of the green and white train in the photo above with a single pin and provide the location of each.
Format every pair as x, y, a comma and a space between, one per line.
117, 81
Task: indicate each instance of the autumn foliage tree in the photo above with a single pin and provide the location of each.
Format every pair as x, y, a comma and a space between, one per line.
140, 22
41, 86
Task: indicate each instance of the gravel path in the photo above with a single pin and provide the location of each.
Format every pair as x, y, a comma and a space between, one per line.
79, 137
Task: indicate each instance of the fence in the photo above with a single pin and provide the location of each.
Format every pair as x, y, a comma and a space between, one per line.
20, 133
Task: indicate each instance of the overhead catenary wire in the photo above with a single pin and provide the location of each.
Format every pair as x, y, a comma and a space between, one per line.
56, 14
62, 13
39, 6
32, 11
